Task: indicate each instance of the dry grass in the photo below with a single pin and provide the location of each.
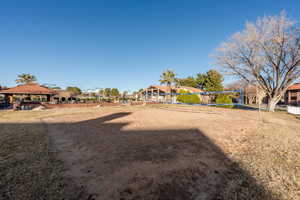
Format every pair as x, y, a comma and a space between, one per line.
28, 169
273, 156
267, 159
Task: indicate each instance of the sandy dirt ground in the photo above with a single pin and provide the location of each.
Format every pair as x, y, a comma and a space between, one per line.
153, 152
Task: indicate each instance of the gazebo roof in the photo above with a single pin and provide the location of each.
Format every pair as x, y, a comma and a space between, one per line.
29, 88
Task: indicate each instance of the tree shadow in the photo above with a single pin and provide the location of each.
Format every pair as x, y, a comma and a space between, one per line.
169, 164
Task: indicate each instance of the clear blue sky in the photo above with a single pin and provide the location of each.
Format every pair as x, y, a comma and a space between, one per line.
125, 43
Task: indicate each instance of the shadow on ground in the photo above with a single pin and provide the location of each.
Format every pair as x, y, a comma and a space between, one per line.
114, 163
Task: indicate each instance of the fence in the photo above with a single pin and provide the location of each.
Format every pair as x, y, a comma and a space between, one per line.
293, 110
240, 99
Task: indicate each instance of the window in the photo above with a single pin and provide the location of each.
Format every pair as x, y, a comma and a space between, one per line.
294, 98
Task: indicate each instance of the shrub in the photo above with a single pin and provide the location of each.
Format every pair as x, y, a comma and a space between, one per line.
192, 98
224, 99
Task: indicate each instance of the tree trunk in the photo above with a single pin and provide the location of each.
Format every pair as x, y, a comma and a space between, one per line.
272, 103
170, 95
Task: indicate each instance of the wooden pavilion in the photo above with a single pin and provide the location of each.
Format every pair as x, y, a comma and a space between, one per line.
157, 93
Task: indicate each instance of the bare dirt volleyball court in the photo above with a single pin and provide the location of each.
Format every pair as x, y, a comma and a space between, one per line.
153, 152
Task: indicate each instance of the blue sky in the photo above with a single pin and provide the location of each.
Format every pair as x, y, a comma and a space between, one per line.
125, 43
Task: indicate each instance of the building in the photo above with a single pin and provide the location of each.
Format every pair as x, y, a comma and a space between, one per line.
159, 93
3, 103
63, 96
156, 93
292, 95
252, 93
28, 92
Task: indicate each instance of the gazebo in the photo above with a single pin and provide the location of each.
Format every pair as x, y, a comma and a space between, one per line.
27, 90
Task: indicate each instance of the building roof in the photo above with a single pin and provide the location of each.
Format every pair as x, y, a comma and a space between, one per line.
161, 88
63, 93
29, 88
295, 86
250, 89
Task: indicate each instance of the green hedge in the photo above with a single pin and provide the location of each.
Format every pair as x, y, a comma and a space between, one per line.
192, 98
224, 99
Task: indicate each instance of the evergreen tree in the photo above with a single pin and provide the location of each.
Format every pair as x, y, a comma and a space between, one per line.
210, 81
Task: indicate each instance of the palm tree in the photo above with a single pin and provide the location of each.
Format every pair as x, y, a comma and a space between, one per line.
168, 77
25, 78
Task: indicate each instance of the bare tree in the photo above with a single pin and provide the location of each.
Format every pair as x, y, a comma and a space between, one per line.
266, 53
